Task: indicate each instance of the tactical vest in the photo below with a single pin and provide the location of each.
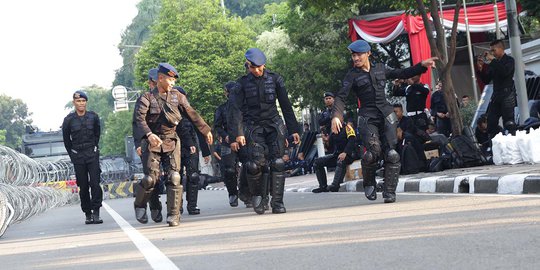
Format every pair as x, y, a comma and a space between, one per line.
82, 130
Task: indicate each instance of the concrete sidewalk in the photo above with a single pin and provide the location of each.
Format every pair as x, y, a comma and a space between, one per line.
502, 179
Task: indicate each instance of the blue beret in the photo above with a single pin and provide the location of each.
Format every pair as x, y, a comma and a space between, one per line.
328, 94
359, 46
167, 69
152, 74
80, 94
255, 57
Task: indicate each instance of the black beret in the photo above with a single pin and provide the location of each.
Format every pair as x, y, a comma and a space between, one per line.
80, 94
328, 94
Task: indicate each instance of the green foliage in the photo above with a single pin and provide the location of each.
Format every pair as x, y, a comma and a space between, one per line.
532, 7
134, 35
206, 47
272, 41
467, 113
118, 127
3, 133
274, 16
245, 8
14, 118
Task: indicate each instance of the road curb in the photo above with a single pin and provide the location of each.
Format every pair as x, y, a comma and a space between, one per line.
471, 183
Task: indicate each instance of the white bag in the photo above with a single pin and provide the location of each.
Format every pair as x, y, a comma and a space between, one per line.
534, 145
497, 148
522, 142
512, 155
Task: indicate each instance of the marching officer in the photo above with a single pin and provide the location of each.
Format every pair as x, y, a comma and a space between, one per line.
228, 157
377, 121
189, 165
255, 123
81, 131
158, 112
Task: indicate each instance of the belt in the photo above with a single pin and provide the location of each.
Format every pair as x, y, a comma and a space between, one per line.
414, 113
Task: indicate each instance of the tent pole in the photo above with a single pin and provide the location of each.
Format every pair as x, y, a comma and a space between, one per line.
475, 87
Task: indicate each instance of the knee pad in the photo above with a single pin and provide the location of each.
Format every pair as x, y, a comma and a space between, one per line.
341, 163
252, 168
278, 165
369, 158
174, 179
194, 178
147, 182
392, 156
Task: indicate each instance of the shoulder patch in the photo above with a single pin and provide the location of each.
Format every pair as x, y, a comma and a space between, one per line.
350, 131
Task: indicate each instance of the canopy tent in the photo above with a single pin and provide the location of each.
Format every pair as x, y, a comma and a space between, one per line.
385, 29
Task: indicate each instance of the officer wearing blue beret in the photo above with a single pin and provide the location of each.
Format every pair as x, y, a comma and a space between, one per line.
255, 122
157, 114
81, 131
377, 122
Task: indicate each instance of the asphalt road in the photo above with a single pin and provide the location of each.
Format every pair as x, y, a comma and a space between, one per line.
320, 231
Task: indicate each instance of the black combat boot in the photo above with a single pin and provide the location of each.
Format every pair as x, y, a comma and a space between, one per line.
278, 188
339, 175
233, 200
95, 216
191, 196
321, 178
89, 218
369, 182
391, 174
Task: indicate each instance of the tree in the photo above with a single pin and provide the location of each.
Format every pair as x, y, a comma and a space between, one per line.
245, 8
421, 7
3, 136
14, 118
118, 127
134, 36
206, 47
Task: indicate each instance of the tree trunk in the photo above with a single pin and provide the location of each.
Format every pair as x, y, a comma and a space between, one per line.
451, 103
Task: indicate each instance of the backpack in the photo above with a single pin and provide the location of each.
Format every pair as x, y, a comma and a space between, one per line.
410, 163
464, 152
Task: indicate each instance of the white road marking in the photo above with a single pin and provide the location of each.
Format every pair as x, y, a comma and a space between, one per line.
152, 254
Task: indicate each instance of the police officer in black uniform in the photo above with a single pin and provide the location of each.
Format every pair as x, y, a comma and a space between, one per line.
415, 94
81, 130
345, 153
228, 157
192, 141
158, 112
377, 121
255, 122
500, 71
325, 118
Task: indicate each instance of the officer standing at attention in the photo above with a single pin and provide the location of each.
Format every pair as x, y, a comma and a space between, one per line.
326, 116
158, 113
255, 123
500, 70
228, 157
377, 121
81, 130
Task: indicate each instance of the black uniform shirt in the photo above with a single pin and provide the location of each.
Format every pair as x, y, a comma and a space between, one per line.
254, 100
501, 71
220, 121
415, 94
344, 141
81, 135
369, 88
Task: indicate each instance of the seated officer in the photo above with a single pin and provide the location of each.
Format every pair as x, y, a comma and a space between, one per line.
345, 153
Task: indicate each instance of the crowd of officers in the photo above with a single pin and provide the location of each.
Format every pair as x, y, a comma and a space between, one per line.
169, 134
